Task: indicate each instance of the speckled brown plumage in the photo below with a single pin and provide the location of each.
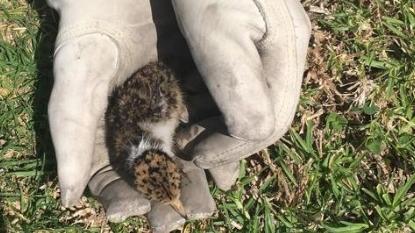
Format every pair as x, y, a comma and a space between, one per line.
152, 94
135, 117
157, 176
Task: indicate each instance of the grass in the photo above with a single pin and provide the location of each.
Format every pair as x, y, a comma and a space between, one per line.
346, 165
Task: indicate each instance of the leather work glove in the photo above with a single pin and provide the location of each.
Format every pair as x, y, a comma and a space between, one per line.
250, 54
99, 44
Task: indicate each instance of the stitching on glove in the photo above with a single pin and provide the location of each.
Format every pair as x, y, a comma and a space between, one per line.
103, 28
291, 53
262, 12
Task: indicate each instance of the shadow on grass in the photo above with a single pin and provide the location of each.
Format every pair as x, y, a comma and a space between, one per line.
44, 48
2, 222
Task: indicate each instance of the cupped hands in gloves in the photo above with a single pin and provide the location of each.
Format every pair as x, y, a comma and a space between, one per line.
250, 55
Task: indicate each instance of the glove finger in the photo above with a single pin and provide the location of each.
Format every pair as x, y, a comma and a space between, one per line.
229, 61
163, 218
93, 51
121, 201
225, 176
209, 146
283, 57
78, 99
195, 197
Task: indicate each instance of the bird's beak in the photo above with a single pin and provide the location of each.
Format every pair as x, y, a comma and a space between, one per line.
178, 207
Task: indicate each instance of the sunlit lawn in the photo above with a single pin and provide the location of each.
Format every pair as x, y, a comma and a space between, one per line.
346, 165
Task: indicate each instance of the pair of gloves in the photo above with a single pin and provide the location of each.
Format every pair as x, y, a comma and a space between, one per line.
241, 62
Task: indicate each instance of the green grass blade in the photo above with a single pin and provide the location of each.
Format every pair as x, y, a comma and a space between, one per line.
402, 191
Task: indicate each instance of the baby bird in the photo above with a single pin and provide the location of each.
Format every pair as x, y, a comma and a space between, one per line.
141, 120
